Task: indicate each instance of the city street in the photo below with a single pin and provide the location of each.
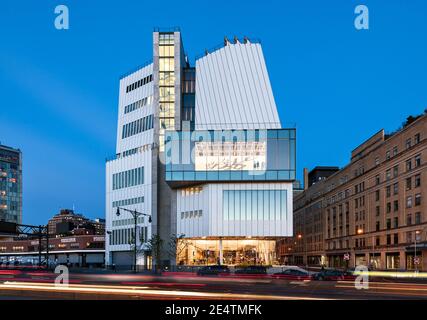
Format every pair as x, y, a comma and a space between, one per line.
40, 285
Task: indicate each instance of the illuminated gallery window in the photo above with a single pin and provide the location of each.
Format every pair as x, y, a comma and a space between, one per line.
230, 156
234, 252
191, 191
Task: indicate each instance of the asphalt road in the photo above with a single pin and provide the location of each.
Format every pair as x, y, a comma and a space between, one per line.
40, 285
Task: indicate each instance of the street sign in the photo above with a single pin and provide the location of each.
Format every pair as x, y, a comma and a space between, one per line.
346, 256
416, 260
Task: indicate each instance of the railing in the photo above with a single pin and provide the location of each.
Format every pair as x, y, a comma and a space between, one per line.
168, 29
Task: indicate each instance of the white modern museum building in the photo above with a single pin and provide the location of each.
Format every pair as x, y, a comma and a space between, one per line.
202, 154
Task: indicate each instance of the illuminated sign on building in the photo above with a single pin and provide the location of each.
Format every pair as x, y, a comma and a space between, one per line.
230, 156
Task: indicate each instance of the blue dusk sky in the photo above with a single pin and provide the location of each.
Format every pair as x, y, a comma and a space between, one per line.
59, 88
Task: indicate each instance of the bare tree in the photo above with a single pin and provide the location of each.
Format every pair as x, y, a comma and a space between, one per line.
155, 245
177, 244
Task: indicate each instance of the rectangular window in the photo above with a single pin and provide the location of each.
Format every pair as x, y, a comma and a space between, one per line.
395, 188
417, 138
408, 183
137, 126
388, 174
417, 160
409, 202
408, 143
396, 205
377, 161
388, 191
395, 171
417, 217
388, 207
396, 222
128, 178
408, 165
408, 219
396, 238
418, 199
395, 151
377, 195
417, 180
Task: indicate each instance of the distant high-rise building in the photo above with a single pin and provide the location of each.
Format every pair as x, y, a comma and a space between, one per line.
10, 184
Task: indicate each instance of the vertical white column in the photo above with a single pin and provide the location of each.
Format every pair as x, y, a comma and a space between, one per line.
220, 250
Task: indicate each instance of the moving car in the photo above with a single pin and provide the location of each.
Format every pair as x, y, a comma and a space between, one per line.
213, 270
292, 274
252, 270
333, 275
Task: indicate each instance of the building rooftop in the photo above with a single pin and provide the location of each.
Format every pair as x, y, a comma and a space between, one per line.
9, 148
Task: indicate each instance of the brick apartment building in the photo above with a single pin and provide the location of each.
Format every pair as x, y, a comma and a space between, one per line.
371, 212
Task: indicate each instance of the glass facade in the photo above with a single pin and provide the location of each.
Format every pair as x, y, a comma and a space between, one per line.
253, 205
231, 155
234, 252
188, 96
10, 185
166, 84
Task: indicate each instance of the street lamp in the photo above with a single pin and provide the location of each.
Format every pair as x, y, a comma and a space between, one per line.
135, 214
299, 236
359, 231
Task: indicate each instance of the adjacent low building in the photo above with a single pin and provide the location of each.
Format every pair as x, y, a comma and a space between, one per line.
371, 212
76, 251
73, 240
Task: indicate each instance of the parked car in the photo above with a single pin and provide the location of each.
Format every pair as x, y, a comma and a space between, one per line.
213, 270
292, 274
252, 270
333, 275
